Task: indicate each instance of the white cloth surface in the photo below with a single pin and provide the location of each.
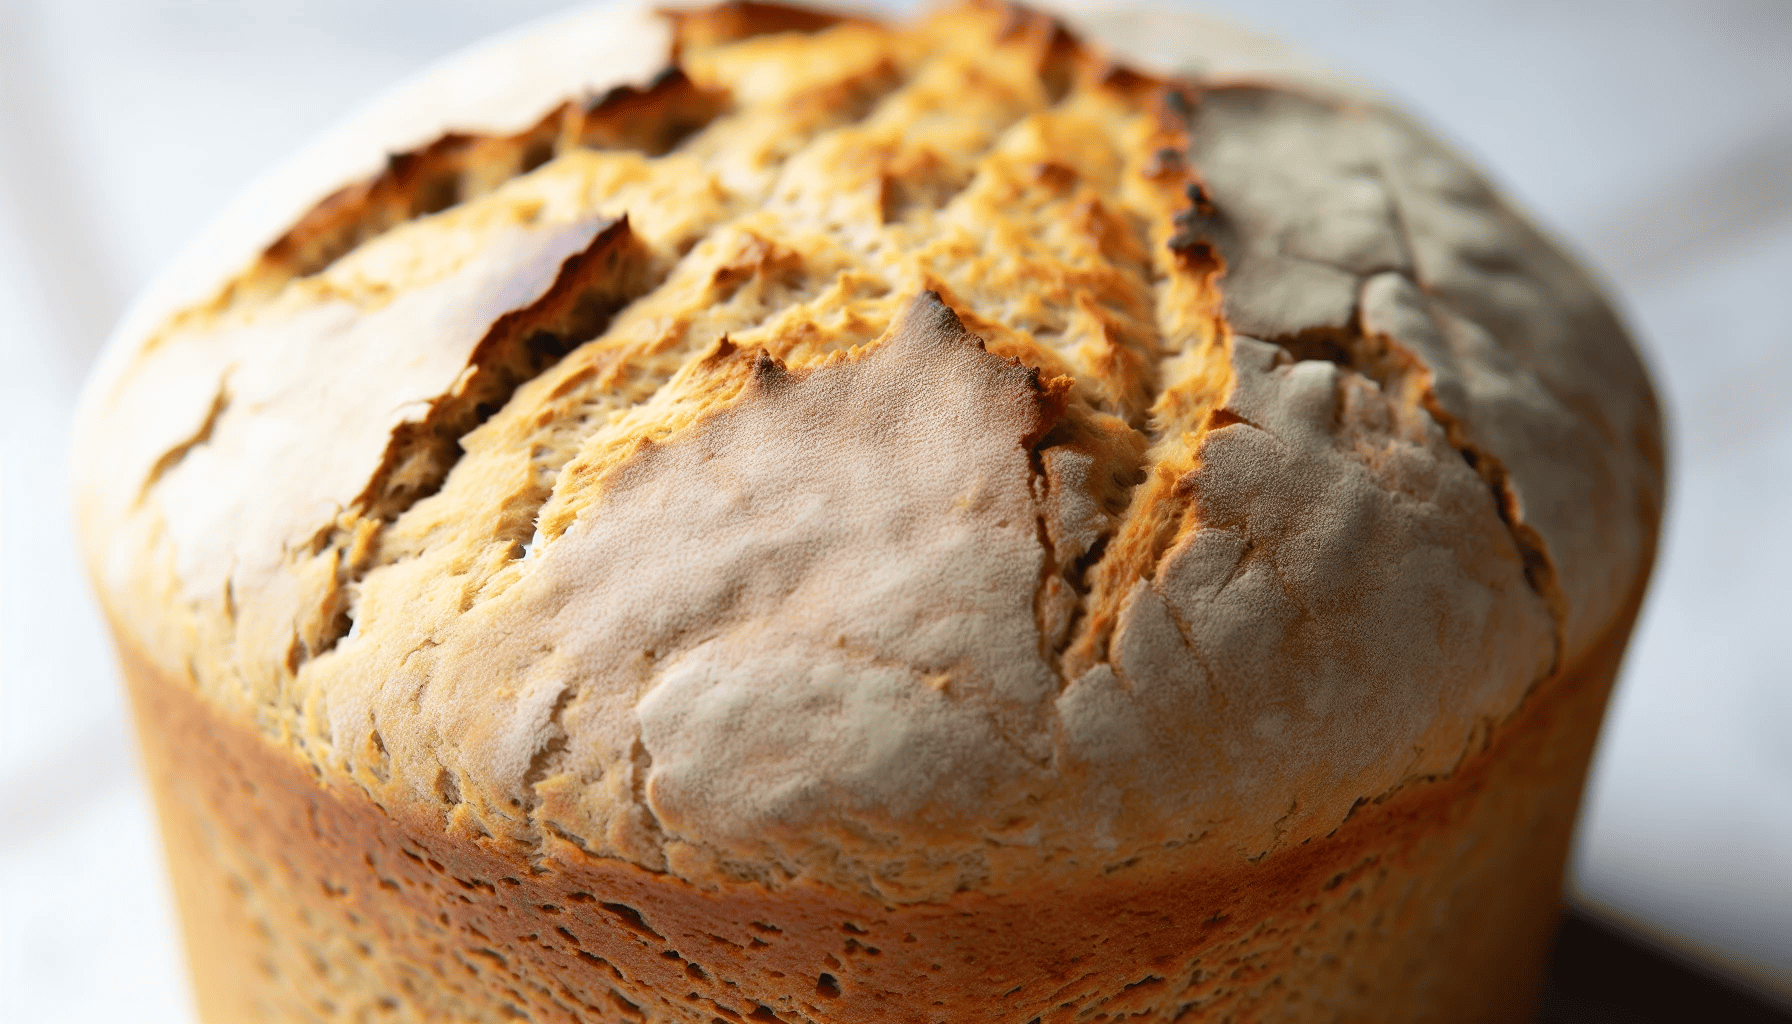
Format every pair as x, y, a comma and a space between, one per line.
1653, 137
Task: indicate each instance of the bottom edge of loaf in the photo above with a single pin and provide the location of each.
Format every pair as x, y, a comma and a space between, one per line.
303, 900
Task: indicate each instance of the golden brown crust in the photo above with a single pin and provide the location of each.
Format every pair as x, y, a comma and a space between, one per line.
303, 900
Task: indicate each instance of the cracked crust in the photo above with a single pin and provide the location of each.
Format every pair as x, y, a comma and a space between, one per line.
907, 461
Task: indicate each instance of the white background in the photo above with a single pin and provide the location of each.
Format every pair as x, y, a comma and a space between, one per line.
1655, 137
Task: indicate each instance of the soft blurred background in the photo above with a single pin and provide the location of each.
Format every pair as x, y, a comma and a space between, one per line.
1654, 136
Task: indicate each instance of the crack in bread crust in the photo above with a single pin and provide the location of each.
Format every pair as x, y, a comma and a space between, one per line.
460, 167
590, 287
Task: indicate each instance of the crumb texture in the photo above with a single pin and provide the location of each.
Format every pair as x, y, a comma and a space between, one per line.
906, 460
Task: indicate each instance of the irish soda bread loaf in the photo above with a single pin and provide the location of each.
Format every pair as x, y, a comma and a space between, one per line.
869, 522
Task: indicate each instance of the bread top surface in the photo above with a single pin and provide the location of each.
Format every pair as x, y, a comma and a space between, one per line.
906, 458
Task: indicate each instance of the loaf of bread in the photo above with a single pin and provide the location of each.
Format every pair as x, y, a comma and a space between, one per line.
874, 522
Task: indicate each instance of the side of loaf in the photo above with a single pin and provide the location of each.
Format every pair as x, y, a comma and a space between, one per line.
934, 485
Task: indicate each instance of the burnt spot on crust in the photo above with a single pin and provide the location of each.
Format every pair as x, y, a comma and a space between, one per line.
1195, 253
1167, 161
768, 374
1191, 242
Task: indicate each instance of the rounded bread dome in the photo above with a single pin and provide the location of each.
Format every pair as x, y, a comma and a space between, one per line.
907, 458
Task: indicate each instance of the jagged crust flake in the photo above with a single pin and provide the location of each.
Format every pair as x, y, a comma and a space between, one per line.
1267, 494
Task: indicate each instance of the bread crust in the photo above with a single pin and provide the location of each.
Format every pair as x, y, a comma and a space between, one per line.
898, 468
302, 900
